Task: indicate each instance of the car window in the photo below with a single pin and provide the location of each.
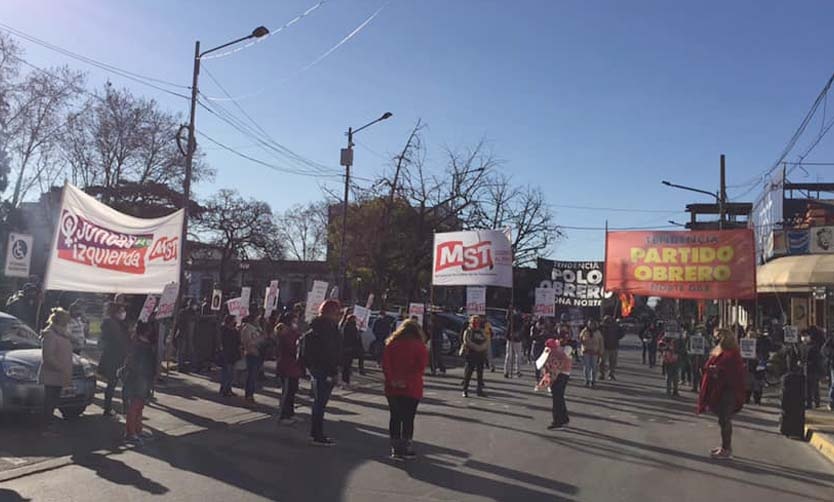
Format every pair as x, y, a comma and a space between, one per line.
16, 335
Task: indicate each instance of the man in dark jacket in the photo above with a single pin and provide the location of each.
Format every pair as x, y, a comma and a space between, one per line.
828, 354
322, 354
612, 333
811, 356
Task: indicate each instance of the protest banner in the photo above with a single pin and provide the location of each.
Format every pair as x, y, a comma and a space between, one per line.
473, 258
791, 334
476, 300
147, 308
363, 315
167, 301
97, 249
545, 302
417, 310
689, 265
748, 348
697, 345
18, 255
576, 283
236, 308
315, 298
216, 299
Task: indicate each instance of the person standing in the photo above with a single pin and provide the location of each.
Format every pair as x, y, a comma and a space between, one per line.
251, 337
612, 333
592, 347
538, 335
828, 354
289, 367
722, 388
114, 344
138, 374
671, 365
557, 370
78, 327
351, 347
474, 349
487, 327
653, 335
436, 332
56, 368
512, 360
322, 354
230, 347
403, 362
811, 357
186, 327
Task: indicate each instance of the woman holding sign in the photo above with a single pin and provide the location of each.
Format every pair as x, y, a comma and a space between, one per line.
722, 388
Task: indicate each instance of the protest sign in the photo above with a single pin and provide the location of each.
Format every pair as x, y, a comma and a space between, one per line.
370, 302
97, 249
216, 300
362, 316
545, 302
748, 348
416, 310
476, 300
271, 297
473, 258
791, 334
697, 345
18, 255
147, 308
235, 306
315, 298
701, 265
168, 301
576, 283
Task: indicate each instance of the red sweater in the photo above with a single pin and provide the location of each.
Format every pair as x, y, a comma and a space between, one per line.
403, 363
729, 377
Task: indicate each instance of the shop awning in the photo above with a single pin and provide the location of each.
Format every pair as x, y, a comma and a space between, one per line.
795, 274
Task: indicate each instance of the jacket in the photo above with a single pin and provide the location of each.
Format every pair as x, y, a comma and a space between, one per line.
728, 377
56, 353
811, 356
288, 363
558, 362
230, 345
114, 344
475, 341
322, 347
351, 342
403, 363
250, 337
612, 333
140, 370
592, 342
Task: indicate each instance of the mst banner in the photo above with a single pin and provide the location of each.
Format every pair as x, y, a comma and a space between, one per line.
474, 258
690, 264
97, 249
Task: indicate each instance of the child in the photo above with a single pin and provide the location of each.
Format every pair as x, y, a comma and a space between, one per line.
138, 375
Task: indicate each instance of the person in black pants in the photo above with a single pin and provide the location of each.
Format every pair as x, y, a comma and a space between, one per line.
403, 363
811, 357
114, 344
351, 347
436, 330
474, 349
652, 335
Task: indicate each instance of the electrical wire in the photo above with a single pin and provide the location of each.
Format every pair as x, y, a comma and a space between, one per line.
656, 227
619, 209
135, 77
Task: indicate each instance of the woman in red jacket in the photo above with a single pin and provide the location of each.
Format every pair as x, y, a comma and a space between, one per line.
289, 368
403, 362
722, 388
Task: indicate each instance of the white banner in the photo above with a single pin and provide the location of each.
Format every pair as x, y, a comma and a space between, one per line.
545, 302
315, 298
168, 301
476, 300
18, 255
97, 249
363, 315
474, 258
416, 310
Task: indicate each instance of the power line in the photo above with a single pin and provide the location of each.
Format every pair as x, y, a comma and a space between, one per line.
135, 77
656, 227
619, 209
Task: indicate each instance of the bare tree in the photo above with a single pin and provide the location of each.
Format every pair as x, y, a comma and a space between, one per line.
241, 228
303, 230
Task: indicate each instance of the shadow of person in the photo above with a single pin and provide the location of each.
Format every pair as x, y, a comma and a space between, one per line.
11, 496
116, 471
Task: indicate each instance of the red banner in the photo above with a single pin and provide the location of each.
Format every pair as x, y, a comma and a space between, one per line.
689, 264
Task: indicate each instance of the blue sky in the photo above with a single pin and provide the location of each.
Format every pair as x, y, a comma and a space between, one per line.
594, 101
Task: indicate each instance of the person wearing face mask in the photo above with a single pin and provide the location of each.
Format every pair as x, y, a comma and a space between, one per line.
114, 344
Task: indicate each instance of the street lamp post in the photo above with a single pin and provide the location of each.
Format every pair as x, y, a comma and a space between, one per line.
260, 31
347, 161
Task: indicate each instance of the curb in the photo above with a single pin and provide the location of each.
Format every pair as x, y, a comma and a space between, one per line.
821, 443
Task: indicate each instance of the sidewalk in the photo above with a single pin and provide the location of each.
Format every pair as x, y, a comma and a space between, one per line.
819, 426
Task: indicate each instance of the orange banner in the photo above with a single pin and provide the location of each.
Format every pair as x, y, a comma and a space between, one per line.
690, 264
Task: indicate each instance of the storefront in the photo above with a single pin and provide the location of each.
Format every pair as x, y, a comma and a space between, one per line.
797, 289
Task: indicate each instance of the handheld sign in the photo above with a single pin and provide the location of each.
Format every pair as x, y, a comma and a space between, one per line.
168, 301
476, 300
791, 334
748, 348
147, 308
696, 345
216, 299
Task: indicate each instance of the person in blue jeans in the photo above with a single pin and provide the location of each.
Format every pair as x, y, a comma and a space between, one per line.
592, 347
321, 350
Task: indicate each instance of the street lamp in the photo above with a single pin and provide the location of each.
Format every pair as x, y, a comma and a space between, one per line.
673, 222
259, 32
347, 161
717, 196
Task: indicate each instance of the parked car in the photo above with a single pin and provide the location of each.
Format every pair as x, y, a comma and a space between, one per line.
20, 363
452, 325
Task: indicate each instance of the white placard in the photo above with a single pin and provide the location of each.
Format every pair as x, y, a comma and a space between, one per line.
476, 300
18, 255
168, 301
216, 300
417, 310
245, 296
271, 297
791, 334
235, 306
97, 249
697, 345
362, 316
542, 360
315, 298
473, 258
147, 308
370, 302
748, 348
545, 302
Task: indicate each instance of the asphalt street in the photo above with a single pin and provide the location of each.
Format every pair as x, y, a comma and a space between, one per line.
627, 442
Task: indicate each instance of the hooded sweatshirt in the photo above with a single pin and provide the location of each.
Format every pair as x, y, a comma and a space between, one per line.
56, 368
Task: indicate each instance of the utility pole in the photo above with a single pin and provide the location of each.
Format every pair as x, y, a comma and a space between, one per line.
189, 163
722, 199
347, 161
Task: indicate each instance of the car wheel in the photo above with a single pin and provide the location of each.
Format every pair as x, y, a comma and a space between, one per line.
72, 413
376, 349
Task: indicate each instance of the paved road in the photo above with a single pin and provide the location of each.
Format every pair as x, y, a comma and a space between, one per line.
628, 442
